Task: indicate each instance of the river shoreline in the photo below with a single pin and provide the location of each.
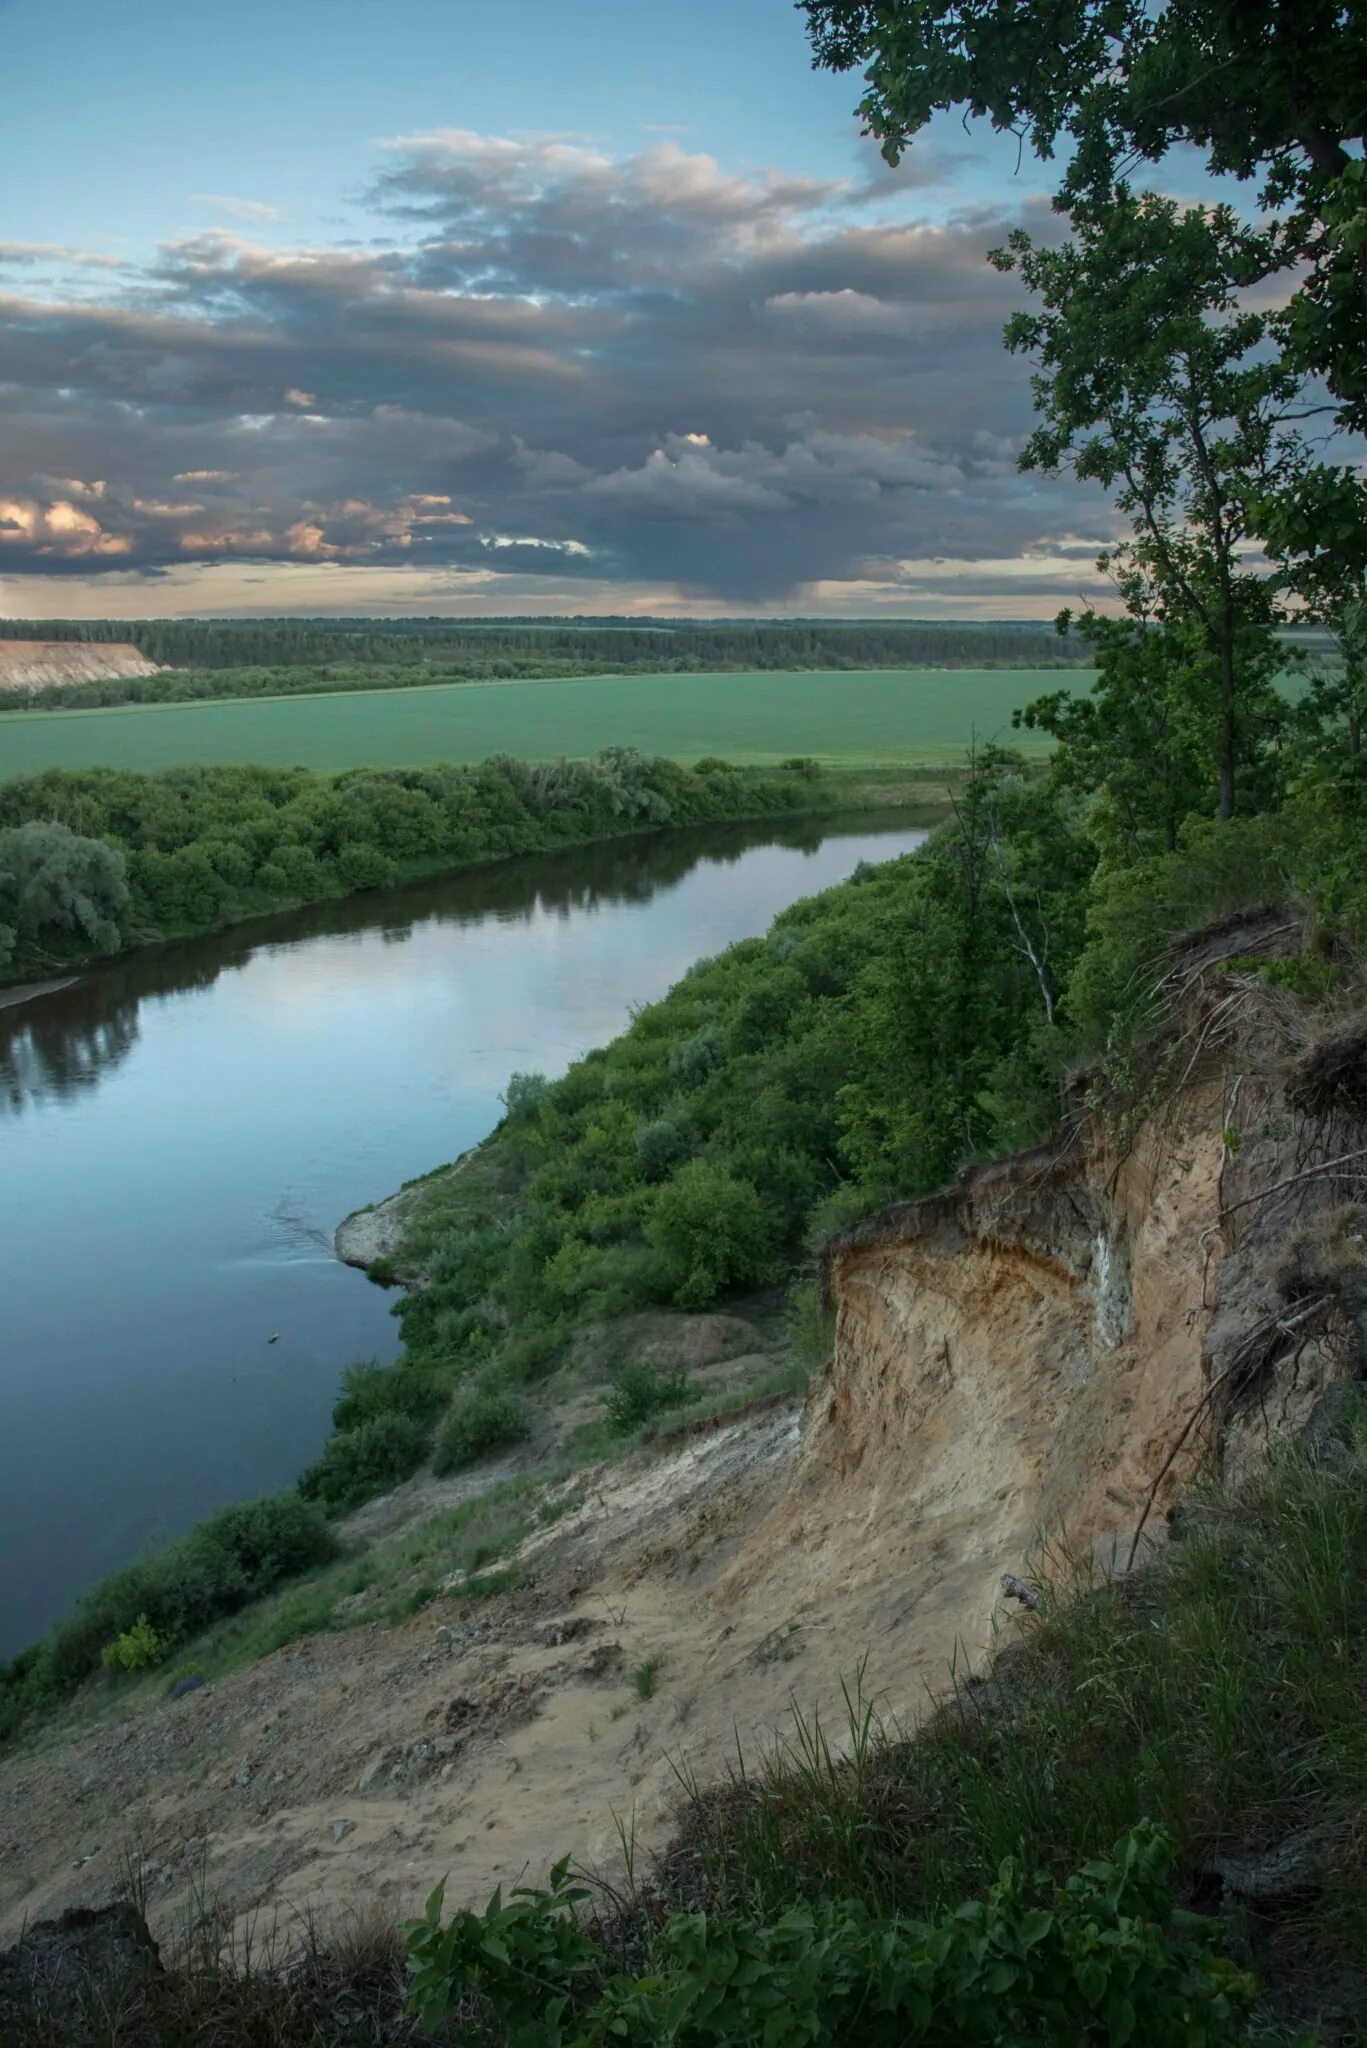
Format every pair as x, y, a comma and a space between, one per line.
911, 791
213, 1109
27, 991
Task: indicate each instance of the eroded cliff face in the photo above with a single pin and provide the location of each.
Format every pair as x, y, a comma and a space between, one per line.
1033, 1366
1024, 1368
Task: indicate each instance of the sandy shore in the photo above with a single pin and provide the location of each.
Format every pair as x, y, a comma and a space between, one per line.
27, 990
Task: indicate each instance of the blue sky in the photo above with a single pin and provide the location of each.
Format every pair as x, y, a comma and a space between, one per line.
462, 307
118, 123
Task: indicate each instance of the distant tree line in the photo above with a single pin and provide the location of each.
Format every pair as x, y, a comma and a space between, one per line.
208, 656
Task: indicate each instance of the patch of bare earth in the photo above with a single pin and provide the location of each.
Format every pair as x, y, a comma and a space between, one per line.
32, 664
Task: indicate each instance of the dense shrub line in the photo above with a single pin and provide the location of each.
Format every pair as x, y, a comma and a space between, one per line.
95, 860
234, 1557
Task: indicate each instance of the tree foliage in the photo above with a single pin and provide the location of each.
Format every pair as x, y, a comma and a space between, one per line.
56, 882
1269, 91
90, 859
1156, 382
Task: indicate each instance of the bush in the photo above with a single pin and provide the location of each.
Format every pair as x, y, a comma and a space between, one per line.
483, 1421
136, 1649
641, 1391
233, 1558
659, 1144
714, 1232
369, 1390
525, 1095
358, 1463
1103, 1959
365, 867
531, 1352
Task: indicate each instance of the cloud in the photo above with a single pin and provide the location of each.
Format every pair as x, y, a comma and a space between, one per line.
551, 370
59, 253
236, 209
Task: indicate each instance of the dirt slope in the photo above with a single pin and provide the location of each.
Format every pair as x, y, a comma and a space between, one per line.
1025, 1365
30, 664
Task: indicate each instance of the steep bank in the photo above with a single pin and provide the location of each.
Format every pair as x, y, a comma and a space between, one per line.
29, 666
1019, 1364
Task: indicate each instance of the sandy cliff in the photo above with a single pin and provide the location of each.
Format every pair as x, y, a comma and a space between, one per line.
32, 664
1026, 1368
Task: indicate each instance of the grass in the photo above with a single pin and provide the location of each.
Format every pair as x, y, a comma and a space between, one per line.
1218, 1693
272, 1981
645, 1678
861, 717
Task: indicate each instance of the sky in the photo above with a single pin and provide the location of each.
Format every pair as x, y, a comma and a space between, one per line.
436, 306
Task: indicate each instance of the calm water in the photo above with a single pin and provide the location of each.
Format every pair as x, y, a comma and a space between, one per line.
181, 1134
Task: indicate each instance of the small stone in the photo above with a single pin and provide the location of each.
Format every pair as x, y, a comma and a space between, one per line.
244, 1776
342, 1828
384, 1763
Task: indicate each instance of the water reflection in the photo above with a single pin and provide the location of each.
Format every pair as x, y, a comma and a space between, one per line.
181, 1133
64, 1043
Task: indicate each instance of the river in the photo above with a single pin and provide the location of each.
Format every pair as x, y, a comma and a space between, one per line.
182, 1131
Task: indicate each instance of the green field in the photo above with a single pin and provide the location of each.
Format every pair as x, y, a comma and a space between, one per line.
852, 718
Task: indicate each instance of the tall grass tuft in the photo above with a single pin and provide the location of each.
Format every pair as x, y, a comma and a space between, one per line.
1217, 1692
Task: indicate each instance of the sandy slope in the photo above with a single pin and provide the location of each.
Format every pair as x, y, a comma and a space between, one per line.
29, 664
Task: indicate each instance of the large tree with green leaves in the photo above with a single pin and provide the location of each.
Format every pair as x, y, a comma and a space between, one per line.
54, 881
1267, 90
1157, 381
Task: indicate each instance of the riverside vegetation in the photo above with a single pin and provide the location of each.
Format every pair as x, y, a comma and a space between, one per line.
93, 863
932, 1011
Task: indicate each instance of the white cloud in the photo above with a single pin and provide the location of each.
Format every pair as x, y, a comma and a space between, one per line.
236, 209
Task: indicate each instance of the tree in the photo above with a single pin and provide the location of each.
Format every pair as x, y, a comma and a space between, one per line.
1317, 531
1140, 740
54, 880
1267, 89
1156, 382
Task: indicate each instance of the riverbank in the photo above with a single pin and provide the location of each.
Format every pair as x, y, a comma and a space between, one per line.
207, 849
276, 1077
11, 995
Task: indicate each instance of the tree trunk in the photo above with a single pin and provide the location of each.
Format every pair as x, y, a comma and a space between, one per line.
1227, 727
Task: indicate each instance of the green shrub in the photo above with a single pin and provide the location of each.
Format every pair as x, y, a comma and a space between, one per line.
136, 1649
231, 1559
1103, 1959
639, 1392
659, 1143
369, 1389
358, 1463
692, 1058
714, 1232
531, 1352
485, 1420
525, 1096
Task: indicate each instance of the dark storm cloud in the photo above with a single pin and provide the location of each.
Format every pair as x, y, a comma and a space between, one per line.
559, 365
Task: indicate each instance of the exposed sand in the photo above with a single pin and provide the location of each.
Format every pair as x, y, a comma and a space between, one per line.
30, 664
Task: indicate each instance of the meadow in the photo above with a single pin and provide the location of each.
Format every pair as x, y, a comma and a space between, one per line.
847, 718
